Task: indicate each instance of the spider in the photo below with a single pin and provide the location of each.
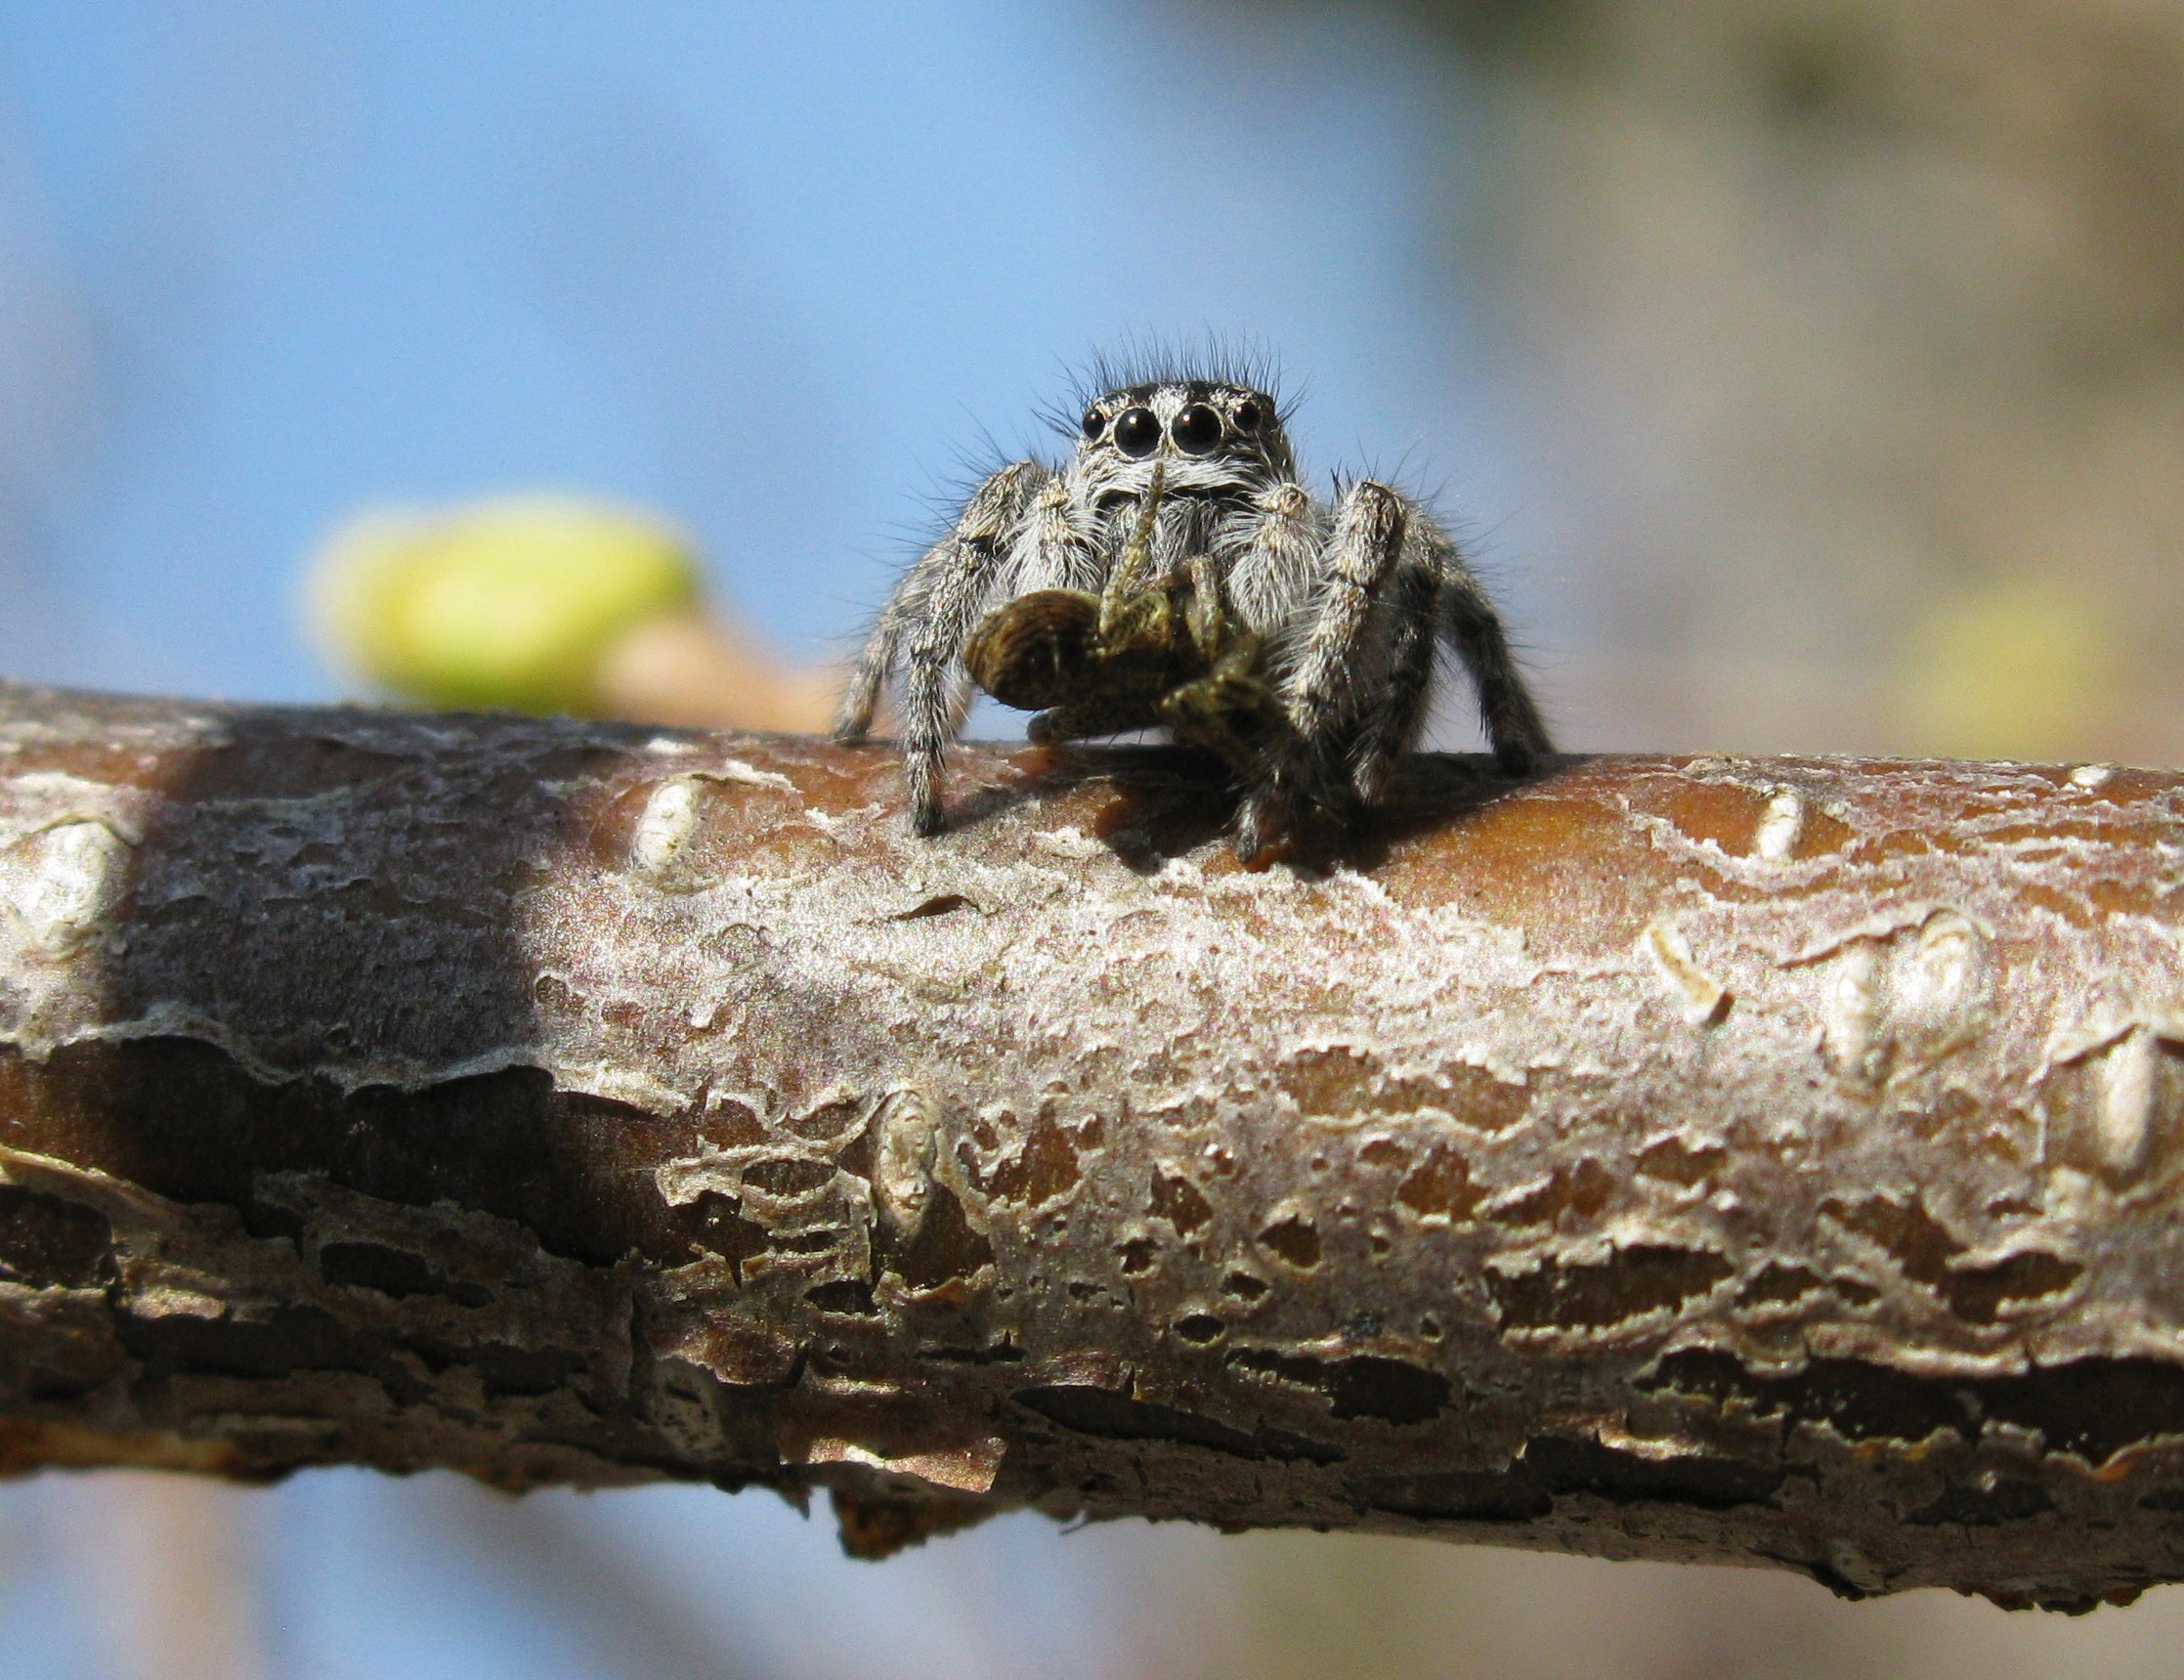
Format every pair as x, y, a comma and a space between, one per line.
1176, 571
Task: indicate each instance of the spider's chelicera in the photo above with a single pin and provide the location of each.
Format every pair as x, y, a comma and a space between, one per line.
1175, 572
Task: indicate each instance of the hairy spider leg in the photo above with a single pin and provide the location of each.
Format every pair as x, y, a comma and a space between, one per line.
920, 639
1371, 523
1392, 722
1470, 624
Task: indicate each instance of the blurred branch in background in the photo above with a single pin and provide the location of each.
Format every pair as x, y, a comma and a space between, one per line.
176, 1562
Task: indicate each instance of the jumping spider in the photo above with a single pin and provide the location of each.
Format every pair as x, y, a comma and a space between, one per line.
1176, 572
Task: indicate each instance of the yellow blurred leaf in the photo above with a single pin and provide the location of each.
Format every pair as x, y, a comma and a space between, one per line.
507, 603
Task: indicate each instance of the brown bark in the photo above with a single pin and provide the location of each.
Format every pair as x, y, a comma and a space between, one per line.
1674, 1157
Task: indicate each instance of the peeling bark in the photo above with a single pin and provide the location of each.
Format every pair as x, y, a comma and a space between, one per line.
1747, 1160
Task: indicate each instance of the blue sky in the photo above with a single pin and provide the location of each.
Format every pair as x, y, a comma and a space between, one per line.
783, 274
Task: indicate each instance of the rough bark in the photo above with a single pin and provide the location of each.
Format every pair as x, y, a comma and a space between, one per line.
1673, 1157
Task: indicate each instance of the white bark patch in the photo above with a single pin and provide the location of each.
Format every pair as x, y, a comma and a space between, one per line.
61, 886
735, 770
1699, 997
904, 1131
1905, 1001
1779, 827
672, 819
2130, 1086
1850, 1033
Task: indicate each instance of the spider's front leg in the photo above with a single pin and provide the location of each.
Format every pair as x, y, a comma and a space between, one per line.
1362, 554
918, 644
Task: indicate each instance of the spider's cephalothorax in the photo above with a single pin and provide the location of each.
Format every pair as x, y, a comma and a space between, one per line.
1176, 572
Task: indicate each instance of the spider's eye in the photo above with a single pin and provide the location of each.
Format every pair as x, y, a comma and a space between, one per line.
1247, 415
1136, 433
1094, 424
1196, 430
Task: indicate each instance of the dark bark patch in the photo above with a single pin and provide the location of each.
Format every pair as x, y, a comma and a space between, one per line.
1554, 1467
1441, 1187
183, 1120
1043, 1167
2010, 1500
395, 1272
849, 1296
1579, 1464
829, 1124
50, 1243
1339, 1081
1646, 1277
1178, 1201
1200, 1328
1365, 1384
787, 1177
1117, 1416
1778, 1285
1136, 1255
715, 1225
940, 904
1582, 1193
1453, 1496
1927, 1254
503, 1368
943, 1249
1676, 1162
2090, 1409
288, 1340
1294, 1239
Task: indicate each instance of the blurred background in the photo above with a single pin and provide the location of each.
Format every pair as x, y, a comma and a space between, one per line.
1808, 374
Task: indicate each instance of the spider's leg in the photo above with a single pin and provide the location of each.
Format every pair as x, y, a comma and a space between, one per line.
1363, 551
1055, 548
918, 642
1392, 719
1275, 567
1472, 626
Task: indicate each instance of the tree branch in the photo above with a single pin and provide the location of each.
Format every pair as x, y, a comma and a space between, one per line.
1674, 1157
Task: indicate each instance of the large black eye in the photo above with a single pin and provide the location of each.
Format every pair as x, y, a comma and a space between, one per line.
1196, 430
1247, 415
1094, 424
1136, 432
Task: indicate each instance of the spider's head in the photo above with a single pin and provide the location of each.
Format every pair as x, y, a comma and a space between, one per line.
1212, 435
